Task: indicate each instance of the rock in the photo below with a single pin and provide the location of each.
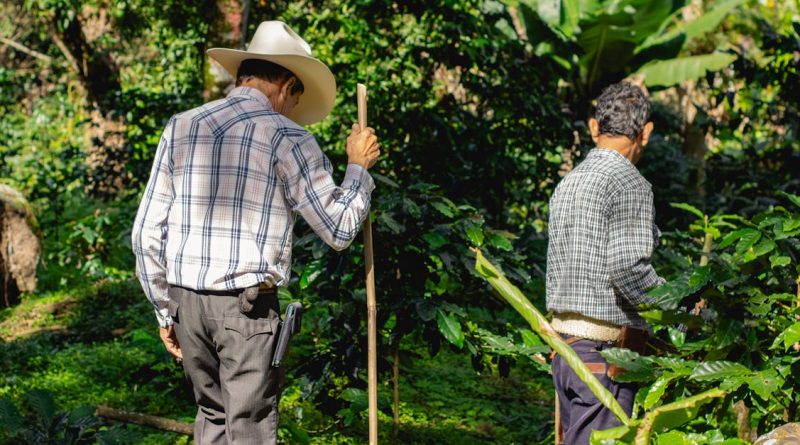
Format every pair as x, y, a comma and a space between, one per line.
20, 247
788, 434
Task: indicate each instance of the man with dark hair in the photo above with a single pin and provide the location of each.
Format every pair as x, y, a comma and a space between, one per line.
601, 238
213, 235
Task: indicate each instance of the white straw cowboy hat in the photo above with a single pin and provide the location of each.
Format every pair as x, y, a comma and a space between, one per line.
275, 42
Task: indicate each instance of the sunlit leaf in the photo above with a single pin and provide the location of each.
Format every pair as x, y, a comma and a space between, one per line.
637, 368
500, 241
656, 391
450, 328
793, 198
778, 260
674, 438
475, 235
668, 317
764, 383
674, 71
789, 336
687, 207
674, 414
748, 238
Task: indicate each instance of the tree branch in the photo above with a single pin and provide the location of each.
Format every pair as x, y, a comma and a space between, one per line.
24, 49
161, 423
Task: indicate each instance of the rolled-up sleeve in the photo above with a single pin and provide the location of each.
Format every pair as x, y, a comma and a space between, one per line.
630, 245
149, 234
334, 212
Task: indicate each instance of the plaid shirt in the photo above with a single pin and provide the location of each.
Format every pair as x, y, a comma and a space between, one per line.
601, 237
228, 180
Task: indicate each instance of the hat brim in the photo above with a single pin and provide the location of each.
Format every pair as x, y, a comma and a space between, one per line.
319, 84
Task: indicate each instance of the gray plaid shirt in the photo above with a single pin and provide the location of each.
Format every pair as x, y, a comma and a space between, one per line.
602, 236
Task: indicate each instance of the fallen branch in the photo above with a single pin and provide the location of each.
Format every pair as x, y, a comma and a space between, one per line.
24, 49
161, 423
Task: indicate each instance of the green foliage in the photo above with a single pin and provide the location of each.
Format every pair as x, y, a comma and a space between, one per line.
674, 71
45, 425
665, 417
610, 40
732, 345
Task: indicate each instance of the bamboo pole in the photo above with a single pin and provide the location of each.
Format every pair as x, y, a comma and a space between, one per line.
372, 357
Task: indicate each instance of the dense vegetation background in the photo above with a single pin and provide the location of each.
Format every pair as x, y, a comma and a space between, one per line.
481, 107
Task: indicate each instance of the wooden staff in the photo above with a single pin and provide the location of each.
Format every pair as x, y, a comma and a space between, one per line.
372, 311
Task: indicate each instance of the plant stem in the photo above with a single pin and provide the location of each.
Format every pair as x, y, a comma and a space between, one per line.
396, 384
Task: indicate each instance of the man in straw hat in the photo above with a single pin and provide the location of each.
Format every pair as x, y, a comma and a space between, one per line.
213, 235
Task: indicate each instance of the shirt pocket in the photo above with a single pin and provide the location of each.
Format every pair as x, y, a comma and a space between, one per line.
249, 327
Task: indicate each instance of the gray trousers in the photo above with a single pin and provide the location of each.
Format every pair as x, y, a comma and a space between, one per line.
226, 358
581, 412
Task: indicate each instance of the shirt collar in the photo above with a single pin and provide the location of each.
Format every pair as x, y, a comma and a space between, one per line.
253, 94
612, 154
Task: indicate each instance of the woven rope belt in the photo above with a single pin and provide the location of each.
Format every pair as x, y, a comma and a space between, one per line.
576, 325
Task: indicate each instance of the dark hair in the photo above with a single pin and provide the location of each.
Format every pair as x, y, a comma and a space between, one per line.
622, 110
266, 70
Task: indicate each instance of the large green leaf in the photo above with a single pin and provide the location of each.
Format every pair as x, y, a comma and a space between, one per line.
42, 403
518, 301
570, 14
765, 383
656, 391
675, 71
618, 434
794, 198
673, 415
674, 438
694, 28
719, 370
687, 207
450, 328
788, 337
670, 294
637, 368
11, 420
672, 317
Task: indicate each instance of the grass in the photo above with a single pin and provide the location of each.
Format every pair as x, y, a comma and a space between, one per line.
99, 345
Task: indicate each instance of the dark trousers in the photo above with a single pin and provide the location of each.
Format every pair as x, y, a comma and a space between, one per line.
580, 411
226, 357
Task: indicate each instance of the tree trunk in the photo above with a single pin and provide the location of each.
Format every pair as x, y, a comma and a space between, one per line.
98, 76
694, 139
20, 247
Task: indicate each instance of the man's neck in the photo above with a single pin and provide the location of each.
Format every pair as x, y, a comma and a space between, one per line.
620, 144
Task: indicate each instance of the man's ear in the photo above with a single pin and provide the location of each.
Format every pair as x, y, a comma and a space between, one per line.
594, 129
288, 85
648, 129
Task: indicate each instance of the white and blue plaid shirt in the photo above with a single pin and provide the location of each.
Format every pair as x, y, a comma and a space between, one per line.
228, 180
601, 237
